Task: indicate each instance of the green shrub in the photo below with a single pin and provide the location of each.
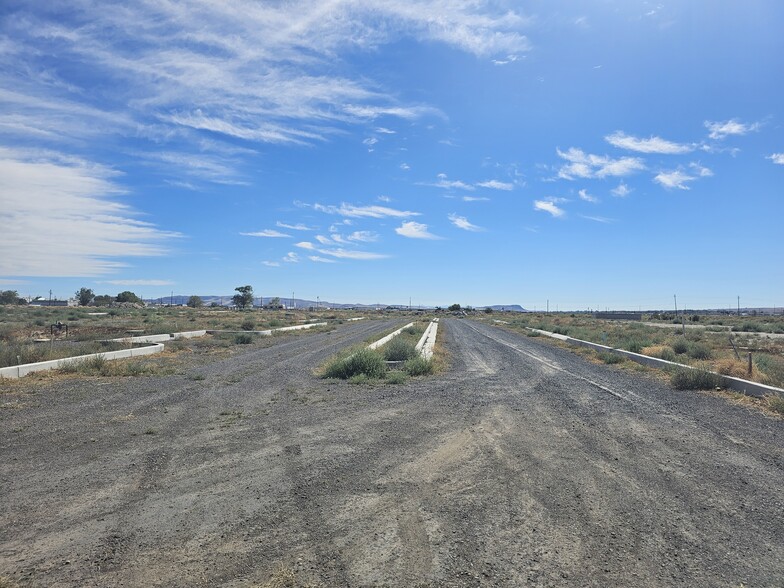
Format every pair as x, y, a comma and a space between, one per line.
685, 379
399, 350
533, 333
699, 351
248, 325
396, 377
364, 361
243, 339
776, 403
680, 346
418, 366
610, 357
634, 345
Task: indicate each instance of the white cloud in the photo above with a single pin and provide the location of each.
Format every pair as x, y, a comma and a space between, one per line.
475, 199
720, 130
496, 185
461, 222
678, 178
318, 259
415, 230
351, 254
295, 227
649, 145
291, 257
385, 131
586, 165
621, 190
777, 158
266, 233
271, 263
548, 206
323, 240
60, 217
180, 70
138, 282
405, 167
305, 245
363, 236
674, 179
598, 219
584, 195
447, 184
371, 211
383, 198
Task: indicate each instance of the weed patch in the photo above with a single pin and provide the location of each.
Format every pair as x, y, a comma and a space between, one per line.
695, 379
399, 349
361, 362
418, 366
609, 358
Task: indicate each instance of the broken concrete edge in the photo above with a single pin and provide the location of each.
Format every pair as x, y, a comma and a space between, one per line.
428, 340
359, 318
388, 338
268, 332
17, 371
754, 389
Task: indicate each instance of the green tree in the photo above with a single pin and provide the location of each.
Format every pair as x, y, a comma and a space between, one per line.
102, 300
9, 297
275, 303
454, 308
85, 296
195, 302
244, 297
127, 296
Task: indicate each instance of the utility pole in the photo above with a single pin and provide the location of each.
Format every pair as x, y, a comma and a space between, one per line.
292, 299
548, 306
738, 305
171, 298
674, 297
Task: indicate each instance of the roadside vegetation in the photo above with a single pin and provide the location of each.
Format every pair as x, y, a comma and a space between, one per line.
711, 348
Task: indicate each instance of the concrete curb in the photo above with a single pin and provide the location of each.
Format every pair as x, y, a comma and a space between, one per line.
162, 338
428, 340
389, 337
738, 384
17, 371
269, 332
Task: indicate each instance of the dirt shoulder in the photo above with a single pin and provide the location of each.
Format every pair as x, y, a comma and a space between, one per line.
520, 465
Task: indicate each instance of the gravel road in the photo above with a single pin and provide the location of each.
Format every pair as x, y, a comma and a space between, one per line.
520, 465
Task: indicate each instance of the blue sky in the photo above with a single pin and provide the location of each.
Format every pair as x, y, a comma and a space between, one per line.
596, 154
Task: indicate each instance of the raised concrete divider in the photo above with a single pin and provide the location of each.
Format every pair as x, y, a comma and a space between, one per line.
269, 332
162, 338
388, 338
428, 340
17, 371
738, 384
359, 318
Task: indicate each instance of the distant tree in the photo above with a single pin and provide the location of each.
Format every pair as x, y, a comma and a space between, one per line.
127, 296
454, 308
102, 300
488, 310
195, 302
84, 295
9, 297
275, 303
244, 297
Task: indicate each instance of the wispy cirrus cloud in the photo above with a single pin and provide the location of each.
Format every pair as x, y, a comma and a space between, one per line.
462, 222
621, 190
586, 165
271, 263
61, 217
720, 130
319, 259
584, 195
415, 230
294, 227
650, 145
445, 183
190, 69
138, 282
272, 233
371, 211
777, 158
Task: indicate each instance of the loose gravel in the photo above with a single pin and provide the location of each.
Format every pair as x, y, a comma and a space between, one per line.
520, 465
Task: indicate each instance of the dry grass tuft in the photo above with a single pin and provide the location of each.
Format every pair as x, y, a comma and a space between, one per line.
732, 367
661, 351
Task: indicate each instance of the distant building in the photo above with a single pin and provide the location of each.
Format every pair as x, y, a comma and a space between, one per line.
41, 301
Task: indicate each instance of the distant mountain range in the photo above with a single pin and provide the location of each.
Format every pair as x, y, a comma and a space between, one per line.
209, 300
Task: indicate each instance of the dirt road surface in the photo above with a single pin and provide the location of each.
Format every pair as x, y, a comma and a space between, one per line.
520, 465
